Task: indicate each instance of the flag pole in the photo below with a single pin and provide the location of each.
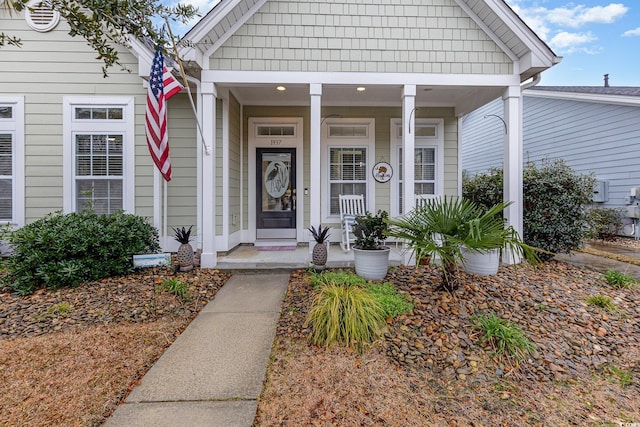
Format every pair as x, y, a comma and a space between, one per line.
186, 84
165, 214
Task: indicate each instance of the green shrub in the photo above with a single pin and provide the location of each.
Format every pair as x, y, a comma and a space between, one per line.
618, 279
554, 197
347, 314
336, 277
485, 190
604, 223
68, 249
554, 200
503, 336
176, 287
392, 302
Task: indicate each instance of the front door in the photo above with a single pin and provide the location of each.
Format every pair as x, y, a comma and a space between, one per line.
276, 193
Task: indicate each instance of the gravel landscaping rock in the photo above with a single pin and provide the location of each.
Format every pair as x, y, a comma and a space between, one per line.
548, 304
134, 298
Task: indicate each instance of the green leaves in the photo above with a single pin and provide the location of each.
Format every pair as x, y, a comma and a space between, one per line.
505, 338
347, 314
554, 197
370, 231
68, 249
443, 227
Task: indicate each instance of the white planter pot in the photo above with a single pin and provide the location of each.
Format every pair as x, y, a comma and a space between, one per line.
372, 264
483, 263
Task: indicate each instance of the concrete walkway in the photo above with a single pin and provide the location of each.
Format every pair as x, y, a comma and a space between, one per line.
212, 374
601, 263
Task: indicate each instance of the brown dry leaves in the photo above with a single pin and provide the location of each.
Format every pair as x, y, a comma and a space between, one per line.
74, 368
73, 378
310, 386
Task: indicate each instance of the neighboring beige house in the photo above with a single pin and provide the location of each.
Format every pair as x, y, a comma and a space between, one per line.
298, 102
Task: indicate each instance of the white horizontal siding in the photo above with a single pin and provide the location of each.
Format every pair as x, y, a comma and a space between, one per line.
591, 137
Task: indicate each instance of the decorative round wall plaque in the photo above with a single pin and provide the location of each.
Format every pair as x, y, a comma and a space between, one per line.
382, 172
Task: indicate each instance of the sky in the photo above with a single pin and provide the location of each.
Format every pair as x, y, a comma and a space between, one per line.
594, 37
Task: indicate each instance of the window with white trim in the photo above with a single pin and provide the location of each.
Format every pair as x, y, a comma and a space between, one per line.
347, 174
6, 176
428, 160
100, 155
424, 173
12, 160
347, 156
99, 167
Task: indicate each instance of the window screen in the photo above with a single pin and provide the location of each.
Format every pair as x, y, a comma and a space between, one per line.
424, 173
347, 174
99, 172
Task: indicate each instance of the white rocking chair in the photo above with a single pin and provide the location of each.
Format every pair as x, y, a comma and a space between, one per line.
350, 207
423, 199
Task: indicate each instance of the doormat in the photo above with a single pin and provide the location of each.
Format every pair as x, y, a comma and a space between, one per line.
276, 248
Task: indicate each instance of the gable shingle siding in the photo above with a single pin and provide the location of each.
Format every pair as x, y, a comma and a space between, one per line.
434, 36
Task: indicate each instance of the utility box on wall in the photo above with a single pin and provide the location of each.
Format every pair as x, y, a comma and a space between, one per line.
600, 192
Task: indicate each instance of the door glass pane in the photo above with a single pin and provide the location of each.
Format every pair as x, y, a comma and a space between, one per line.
276, 182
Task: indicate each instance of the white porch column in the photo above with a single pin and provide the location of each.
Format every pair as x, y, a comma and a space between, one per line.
208, 232
513, 162
315, 215
408, 154
408, 146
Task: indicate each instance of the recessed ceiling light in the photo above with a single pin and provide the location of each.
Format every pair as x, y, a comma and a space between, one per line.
361, 88
281, 88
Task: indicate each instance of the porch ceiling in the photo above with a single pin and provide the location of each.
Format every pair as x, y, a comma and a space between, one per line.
463, 98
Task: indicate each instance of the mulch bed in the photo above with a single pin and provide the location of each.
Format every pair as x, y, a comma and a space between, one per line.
548, 304
69, 357
132, 298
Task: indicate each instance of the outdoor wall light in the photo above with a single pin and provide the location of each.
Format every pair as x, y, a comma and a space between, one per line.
281, 88
361, 88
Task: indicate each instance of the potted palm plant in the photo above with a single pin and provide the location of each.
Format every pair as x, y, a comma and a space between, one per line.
319, 254
371, 256
184, 255
452, 227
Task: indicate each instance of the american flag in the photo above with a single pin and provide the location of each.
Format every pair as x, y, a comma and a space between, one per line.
162, 86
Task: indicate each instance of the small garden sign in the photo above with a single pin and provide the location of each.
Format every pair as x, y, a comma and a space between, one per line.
152, 260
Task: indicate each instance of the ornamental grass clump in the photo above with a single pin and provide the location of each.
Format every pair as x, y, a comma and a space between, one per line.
602, 301
345, 314
505, 338
176, 287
